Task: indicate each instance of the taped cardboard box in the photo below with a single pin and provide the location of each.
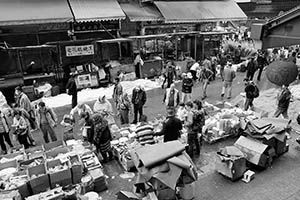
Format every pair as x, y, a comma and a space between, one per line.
24, 189
24, 165
255, 151
39, 179
98, 176
61, 175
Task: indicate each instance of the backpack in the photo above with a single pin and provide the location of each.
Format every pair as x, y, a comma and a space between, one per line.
256, 92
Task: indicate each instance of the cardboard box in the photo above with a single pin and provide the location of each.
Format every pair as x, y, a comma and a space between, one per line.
23, 165
62, 177
233, 169
24, 189
255, 151
35, 152
41, 183
187, 191
126, 163
12, 163
55, 152
76, 169
52, 145
100, 183
166, 194
18, 156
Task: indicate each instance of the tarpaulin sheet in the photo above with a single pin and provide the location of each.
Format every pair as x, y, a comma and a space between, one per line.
154, 154
170, 178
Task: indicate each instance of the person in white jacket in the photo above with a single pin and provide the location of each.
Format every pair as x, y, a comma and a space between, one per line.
21, 129
81, 108
104, 107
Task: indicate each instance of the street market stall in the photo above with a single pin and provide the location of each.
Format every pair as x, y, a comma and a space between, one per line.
37, 173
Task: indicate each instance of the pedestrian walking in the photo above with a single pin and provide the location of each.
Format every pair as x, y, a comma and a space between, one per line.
283, 99
229, 75
72, 89
251, 68
172, 127
171, 97
252, 92
102, 137
21, 129
104, 107
186, 88
46, 121
223, 62
261, 63
124, 107
4, 133
118, 90
205, 76
194, 68
145, 132
170, 74
138, 100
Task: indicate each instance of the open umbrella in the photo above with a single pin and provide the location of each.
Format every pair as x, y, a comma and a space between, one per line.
282, 72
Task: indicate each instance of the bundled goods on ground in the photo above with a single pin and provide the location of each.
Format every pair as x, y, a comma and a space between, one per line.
29, 173
126, 139
224, 122
165, 171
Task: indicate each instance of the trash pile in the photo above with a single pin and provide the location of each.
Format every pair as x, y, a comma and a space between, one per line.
165, 171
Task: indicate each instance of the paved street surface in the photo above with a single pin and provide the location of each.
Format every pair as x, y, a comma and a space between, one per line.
279, 182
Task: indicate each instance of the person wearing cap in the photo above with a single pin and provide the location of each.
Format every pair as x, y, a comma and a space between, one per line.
186, 88
71, 89
251, 68
171, 97
249, 90
172, 127
46, 121
229, 75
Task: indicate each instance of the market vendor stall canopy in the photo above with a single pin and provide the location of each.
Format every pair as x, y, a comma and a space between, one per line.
94, 10
200, 11
20, 12
138, 13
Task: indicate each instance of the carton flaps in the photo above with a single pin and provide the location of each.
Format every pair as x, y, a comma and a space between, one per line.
231, 151
155, 154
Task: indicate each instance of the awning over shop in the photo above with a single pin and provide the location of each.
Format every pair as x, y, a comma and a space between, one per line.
137, 13
96, 10
20, 12
200, 11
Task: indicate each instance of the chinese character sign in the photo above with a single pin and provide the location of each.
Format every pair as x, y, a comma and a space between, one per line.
82, 50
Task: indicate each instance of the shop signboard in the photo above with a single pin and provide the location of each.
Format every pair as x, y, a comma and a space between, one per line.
84, 79
82, 50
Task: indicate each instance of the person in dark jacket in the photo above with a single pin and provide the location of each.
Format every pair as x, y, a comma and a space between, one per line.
249, 90
89, 125
251, 68
187, 85
72, 89
170, 74
172, 127
138, 100
195, 122
102, 137
283, 102
261, 63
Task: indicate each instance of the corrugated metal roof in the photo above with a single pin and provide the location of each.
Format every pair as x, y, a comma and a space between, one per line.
200, 11
95, 10
20, 12
136, 13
